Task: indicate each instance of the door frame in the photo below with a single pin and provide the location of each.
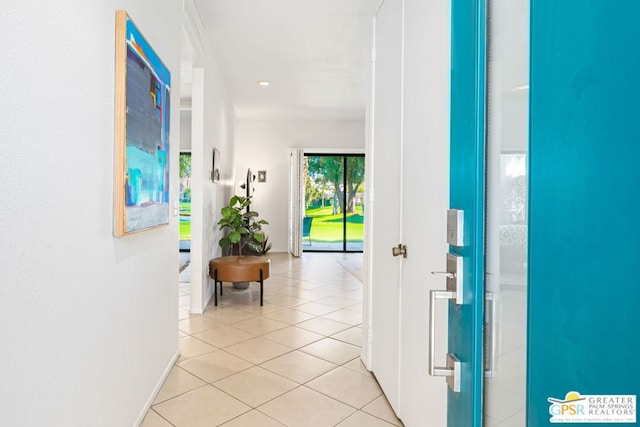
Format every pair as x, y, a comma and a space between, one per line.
293, 216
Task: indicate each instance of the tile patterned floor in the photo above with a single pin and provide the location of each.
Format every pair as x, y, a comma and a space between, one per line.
293, 362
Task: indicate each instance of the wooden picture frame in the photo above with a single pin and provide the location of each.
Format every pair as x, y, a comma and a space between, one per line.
142, 107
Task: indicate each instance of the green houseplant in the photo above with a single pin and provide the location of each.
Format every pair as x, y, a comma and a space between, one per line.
244, 235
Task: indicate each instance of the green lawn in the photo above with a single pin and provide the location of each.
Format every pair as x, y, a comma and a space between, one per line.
327, 227
185, 220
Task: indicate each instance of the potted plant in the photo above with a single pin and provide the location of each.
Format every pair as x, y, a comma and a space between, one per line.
244, 235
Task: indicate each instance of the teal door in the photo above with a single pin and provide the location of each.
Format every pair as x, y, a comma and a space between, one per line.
581, 212
466, 194
584, 223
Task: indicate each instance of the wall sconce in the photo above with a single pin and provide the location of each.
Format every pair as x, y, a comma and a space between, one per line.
262, 176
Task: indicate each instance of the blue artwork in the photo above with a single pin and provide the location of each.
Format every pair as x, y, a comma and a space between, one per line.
145, 161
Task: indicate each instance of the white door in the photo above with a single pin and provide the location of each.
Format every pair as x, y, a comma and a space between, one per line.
385, 198
410, 172
425, 189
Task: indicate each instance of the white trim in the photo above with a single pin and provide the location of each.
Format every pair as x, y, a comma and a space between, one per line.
192, 23
185, 104
367, 268
334, 150
156, 390
198, 279
296, 200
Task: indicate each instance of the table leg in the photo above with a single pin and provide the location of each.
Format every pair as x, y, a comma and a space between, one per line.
215, 286
261, 287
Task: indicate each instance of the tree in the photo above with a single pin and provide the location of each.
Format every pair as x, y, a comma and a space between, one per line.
311, 191
355, 178
330, 169
185, 165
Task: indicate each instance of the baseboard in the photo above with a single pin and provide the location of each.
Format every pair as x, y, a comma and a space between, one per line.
156, 390
365, 359
206, 298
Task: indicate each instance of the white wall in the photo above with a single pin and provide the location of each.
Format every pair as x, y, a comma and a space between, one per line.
264, 145
210, 122
212, 126
88, 322
185, 130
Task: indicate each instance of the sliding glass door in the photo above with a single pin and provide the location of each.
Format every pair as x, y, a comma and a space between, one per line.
333, 203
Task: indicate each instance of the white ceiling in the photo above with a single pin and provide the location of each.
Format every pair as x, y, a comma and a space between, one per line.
313, 52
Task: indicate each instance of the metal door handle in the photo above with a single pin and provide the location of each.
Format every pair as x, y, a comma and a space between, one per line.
433, 296
491, 320
399, 250
453, 369
446, 274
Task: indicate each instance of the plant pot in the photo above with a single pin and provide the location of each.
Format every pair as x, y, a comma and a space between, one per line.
241, 285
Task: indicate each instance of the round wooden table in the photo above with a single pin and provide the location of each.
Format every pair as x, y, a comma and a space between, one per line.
239, 268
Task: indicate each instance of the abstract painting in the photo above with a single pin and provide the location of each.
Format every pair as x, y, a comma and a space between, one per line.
143, 85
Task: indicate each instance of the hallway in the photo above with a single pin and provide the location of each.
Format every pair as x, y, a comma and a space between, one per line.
293, 362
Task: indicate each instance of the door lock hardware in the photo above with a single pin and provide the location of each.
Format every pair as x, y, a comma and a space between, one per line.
446, 274
452, 370
399, 250
455, 227
454, 275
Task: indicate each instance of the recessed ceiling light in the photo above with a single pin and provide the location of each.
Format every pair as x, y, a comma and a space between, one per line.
263, 83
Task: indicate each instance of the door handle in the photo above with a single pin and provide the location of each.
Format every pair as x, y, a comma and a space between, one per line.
491, 334
446, 274
452, 371
454, 274
399, 250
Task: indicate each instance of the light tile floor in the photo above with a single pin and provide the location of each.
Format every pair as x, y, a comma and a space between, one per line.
293, 362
